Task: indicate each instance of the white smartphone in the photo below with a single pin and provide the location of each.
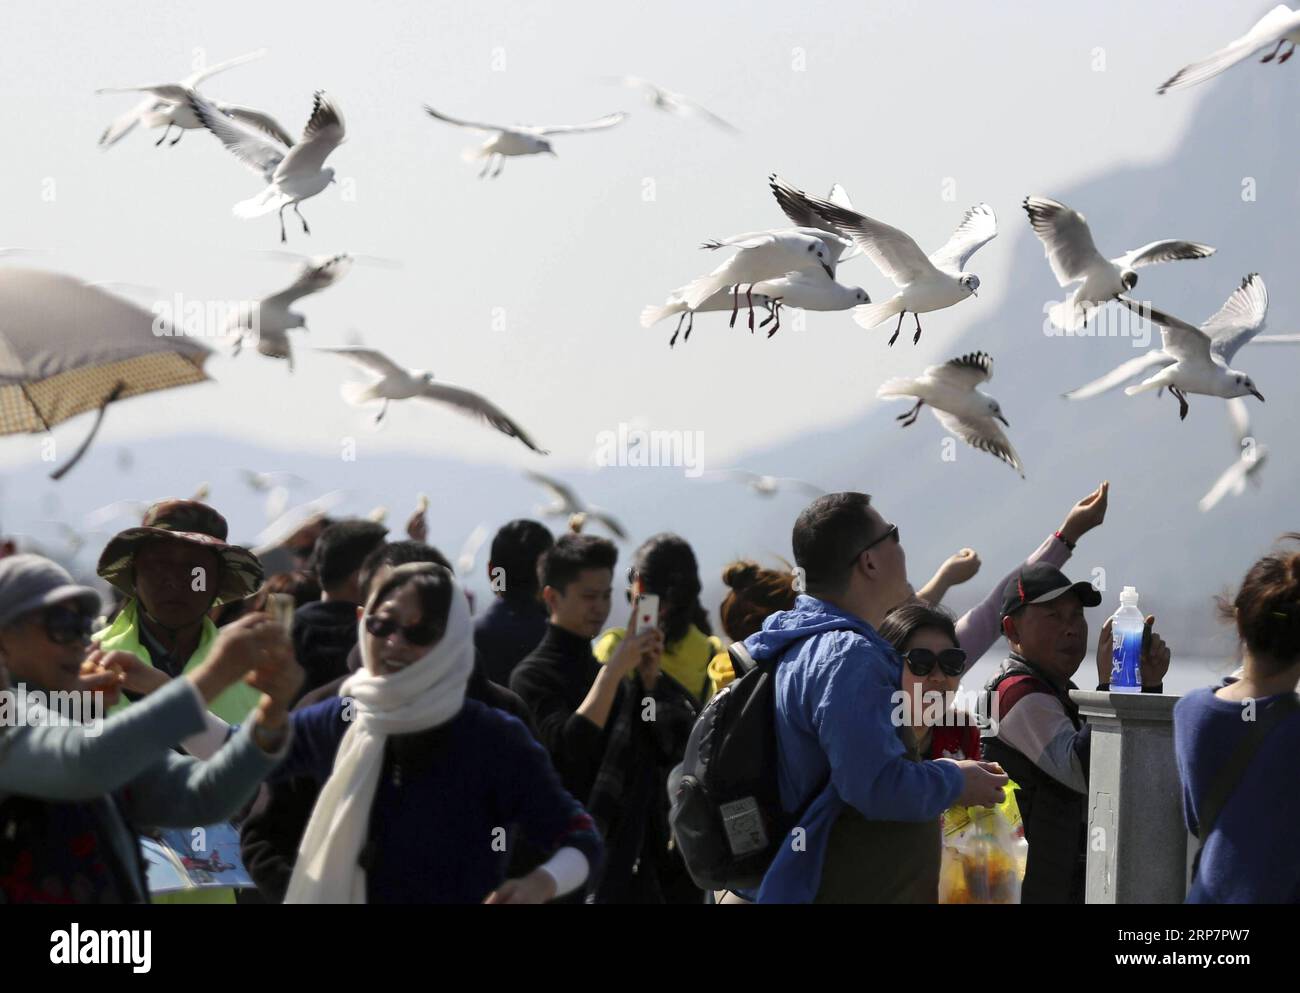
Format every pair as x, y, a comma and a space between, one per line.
647, 611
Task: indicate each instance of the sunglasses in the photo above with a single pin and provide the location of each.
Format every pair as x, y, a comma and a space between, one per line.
951, 661
65, 626
415, 634
890, 532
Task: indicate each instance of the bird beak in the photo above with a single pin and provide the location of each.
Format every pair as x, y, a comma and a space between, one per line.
973, 293
1003, 419
1258, 395
551, 153
829, 271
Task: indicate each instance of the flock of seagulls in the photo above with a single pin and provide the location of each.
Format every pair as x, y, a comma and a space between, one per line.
792, 266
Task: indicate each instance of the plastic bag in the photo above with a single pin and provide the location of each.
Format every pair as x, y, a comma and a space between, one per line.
984, 853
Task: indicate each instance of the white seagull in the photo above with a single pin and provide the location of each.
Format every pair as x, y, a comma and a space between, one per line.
1279, 26
1250, 459
1232, 326
396, 383
167, 106
1074, 258
569, 504
807, 291
768, 486
925, 283
676, 304
761, 255
469, 551
962, 409
268, 321
292, 174
675, 103
1198, 367
519, 139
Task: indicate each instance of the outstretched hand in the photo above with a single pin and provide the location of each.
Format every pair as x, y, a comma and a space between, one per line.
1087, 514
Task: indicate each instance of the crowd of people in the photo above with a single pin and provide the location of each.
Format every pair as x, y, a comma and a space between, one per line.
399, 743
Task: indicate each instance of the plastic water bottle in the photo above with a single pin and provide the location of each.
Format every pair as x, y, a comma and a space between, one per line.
1127, 626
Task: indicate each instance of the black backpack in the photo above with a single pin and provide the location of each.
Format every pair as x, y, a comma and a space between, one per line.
726, 817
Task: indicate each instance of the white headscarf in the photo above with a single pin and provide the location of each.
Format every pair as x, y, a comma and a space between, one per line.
427, 693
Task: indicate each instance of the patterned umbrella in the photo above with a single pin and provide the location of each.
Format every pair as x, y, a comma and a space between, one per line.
67, 347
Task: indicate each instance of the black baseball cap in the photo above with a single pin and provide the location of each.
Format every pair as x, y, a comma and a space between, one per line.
1042, 583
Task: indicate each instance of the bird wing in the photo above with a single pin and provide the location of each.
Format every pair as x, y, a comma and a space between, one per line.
965, 372
1166, 250
606, 519
324, 132
794, 203
894, 252
984, 434
1231, 478
121, 125
751, 239
1065, 236
1239, 418
1276, 339
978, 227
479, 406
807, 487
558, 488
840, 196
370, 360
1120, 375
312, 279
1239, 319
1178, 338
472, 125
599, 124
194, 78
255, 150
260, 120
1268, 29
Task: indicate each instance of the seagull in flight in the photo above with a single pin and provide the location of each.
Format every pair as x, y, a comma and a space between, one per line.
396, 383
963, 410
569, 504
519, 139
1239, 321
1074, 258
292, 174
676, 304
925, 283
268, 321
768, 486
1279, 26
674, 103
167, 106
1197, 366
1250, 459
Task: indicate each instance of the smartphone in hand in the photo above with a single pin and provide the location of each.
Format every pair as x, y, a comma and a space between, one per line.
647, 611
280, 607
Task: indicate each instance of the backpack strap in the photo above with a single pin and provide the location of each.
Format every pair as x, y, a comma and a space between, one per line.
1230, 775
742, 662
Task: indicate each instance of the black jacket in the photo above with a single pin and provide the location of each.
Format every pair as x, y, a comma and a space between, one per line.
324, 633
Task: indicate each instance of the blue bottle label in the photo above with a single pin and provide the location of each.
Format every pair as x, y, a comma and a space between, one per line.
1126, 661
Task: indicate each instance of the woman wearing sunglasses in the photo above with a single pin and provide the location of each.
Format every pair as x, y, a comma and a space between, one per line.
423, 788
926, 638
73, 794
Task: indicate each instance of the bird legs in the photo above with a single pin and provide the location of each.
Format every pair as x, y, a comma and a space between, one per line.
1182, 402
383, 409
305, 229
899, 327
909, 418
689, 317
294, 204
500, 162
775, 308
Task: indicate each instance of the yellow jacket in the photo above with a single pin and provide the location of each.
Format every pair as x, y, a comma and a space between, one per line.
687, 660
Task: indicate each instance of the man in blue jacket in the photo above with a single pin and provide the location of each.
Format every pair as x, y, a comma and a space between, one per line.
871, 832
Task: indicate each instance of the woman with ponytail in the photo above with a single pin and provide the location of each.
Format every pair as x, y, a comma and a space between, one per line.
1236, 748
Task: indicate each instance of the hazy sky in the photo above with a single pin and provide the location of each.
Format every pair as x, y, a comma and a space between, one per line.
897, 101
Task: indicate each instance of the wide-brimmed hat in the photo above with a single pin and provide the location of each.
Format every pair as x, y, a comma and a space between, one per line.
192, 522
30, 582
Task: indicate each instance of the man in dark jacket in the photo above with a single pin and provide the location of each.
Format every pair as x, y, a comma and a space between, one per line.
515, 622
326, 631
1038, 735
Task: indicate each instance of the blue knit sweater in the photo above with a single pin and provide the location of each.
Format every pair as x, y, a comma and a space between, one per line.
449, 802
1250, 856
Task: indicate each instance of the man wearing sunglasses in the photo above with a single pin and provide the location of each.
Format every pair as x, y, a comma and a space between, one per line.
869, 830
1039, 737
